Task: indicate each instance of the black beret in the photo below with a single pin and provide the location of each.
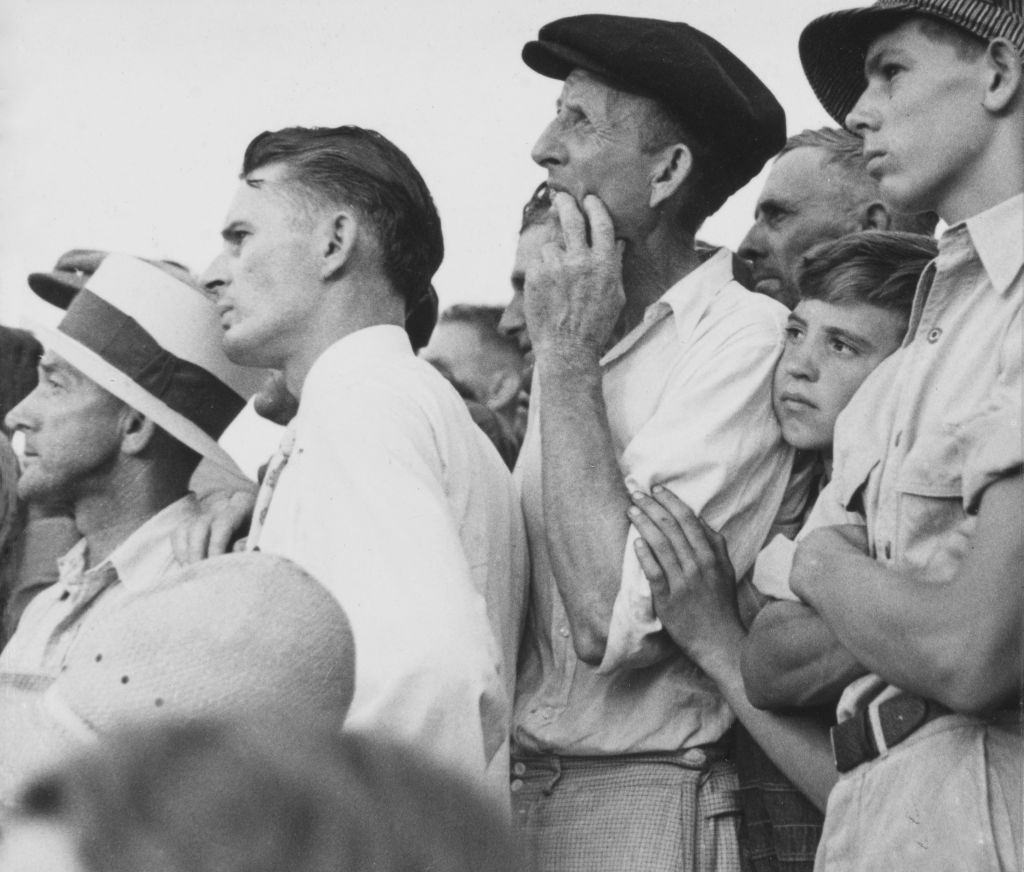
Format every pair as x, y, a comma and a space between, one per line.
712, 93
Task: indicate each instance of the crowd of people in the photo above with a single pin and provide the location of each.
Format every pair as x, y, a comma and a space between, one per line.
686, 560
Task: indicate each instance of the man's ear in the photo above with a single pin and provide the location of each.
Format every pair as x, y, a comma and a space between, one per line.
339, 241
502, 389
1003, 65
875, 216
671, 168
136, 431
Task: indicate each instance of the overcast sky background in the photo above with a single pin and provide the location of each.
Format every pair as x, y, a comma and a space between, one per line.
123, 122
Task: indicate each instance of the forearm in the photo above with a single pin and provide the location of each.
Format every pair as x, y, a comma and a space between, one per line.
921, 636
584, 497
956, 641
792, 659
797, 744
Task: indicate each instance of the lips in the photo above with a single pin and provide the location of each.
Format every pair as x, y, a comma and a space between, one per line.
796, 402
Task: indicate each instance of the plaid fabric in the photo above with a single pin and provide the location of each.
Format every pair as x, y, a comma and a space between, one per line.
832, 47
656, 813
779, 828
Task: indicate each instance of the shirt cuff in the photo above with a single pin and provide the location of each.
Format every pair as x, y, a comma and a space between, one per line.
994, 450
773, 567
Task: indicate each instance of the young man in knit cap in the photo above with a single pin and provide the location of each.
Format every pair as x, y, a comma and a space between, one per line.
650, 367
384, 490
133, 391
917, 568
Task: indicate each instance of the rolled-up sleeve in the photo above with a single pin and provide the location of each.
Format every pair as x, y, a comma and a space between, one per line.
714, 442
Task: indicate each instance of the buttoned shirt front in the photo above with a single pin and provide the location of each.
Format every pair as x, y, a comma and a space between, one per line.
52, 620
398, 504
688, 394
939, 420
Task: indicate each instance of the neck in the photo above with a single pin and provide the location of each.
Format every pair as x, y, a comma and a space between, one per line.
350, 307
650, 266
997, 176
109, 516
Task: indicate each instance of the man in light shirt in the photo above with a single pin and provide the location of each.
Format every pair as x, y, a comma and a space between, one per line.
384, 489
916, 570
650, 367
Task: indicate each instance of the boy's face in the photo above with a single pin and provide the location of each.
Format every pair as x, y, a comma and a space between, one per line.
921, 119
830, 349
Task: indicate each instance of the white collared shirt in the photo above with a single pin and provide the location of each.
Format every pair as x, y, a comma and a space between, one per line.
400, 506
688, 394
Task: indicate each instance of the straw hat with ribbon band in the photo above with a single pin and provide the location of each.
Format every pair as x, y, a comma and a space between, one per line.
146, 335
833, 47
197, 644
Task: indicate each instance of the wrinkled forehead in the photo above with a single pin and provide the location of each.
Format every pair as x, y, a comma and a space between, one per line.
597, 94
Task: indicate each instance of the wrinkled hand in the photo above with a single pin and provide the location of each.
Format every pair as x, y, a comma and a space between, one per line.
222, 518
692, 579
573, 294
273, 400
818, 554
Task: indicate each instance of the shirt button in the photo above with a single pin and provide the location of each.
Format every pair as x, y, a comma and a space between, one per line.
519, 769
564, 632
934, 334
516, 786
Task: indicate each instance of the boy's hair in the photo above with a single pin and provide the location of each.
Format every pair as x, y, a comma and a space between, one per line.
876, 267
366, 171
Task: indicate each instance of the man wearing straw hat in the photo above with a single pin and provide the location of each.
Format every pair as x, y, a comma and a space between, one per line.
133, 392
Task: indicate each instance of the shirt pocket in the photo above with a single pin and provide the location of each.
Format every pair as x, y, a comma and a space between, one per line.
932, 530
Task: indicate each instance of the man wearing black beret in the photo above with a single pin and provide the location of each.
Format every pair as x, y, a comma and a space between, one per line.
652, 368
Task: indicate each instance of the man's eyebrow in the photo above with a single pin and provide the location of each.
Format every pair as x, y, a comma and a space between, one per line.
857, 339
874, 60
796, 319
254, 183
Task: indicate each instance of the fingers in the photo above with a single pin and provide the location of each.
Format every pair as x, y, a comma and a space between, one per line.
574, 225
212, 530
602, 229
690, 527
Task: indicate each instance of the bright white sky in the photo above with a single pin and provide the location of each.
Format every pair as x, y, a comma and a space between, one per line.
123, 122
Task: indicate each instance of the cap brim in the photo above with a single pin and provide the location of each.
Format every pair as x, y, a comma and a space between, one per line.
832, 51
58, 289
556, 61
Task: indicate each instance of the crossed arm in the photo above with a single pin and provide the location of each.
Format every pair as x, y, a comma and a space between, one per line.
958, 642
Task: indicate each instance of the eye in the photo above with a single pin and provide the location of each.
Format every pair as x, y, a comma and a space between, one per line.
793, 334
890, 71
837, 346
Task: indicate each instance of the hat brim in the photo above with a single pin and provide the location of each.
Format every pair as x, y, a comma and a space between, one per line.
58, 289
556, 61
833, 48
126, 389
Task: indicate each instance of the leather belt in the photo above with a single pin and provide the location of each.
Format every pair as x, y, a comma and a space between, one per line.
863, 737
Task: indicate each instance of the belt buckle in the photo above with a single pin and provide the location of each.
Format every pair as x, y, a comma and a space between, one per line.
853, 742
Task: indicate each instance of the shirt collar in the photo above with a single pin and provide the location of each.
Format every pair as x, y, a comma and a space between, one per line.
998, 238
142, 558
353, 350
687, 301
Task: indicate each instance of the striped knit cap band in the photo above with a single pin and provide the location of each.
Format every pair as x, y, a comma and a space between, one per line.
833, 47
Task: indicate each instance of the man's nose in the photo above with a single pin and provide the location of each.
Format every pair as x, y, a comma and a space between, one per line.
752, 247
20, 417
214, 278
549, 150
862, 117
513, 321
